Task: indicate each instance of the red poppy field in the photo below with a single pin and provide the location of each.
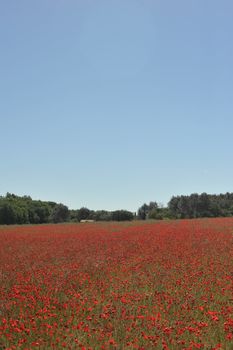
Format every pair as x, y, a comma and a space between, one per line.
161, 285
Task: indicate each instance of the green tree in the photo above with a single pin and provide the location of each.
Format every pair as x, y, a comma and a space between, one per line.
60, 213
122, 215
8, 213
145, 210
102, 215
83, 214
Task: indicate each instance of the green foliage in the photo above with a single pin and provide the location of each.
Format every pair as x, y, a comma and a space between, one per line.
24, 210
8, 214
83, 214
145, 211
203, 205
187, 207
102, 215
156, 214
122, 215
60, 213
142, 212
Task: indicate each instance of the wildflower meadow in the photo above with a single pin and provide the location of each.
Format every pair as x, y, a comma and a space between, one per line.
141, 285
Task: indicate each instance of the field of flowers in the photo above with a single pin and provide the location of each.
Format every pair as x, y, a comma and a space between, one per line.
161, 285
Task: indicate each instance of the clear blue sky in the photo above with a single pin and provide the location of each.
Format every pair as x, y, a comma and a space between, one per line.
110, 104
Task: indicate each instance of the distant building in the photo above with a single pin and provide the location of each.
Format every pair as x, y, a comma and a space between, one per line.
83, 221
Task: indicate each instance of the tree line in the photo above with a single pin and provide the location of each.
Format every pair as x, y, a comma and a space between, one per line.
203, 205
24, 210
190, 207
